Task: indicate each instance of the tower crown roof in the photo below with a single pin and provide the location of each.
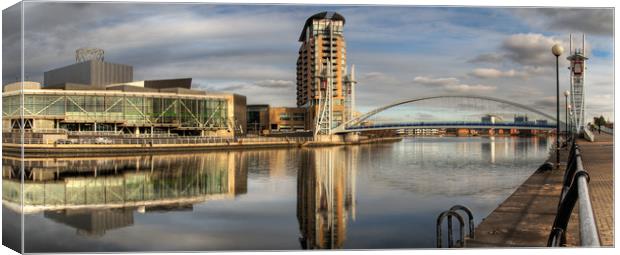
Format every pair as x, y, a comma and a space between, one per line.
320, 15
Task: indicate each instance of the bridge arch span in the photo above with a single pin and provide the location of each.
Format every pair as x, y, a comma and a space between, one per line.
366, 116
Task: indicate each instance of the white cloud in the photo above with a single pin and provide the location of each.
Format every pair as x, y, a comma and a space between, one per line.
597, 21
274, 84
428, 81
453, 85
486, 73
466, 88
530, 49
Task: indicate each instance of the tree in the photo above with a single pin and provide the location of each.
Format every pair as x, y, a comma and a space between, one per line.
600, 121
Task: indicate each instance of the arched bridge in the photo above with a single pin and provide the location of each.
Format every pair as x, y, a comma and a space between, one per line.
450, 111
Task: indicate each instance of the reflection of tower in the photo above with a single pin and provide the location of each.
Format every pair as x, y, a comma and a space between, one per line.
324, 198
492, 149
577, 82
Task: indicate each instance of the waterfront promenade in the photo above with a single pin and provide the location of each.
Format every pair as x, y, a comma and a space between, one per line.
598, 160
526, 217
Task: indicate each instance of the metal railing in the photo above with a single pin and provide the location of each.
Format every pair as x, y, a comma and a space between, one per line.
574, 189
606, 130
453, 212
156, 140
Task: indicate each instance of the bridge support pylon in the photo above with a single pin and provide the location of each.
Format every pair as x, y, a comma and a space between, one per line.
329, 138
352, 137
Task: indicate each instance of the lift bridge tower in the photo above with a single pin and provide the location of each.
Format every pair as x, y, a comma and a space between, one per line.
577, 69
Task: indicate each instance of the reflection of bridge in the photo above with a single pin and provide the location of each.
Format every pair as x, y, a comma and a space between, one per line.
450, 111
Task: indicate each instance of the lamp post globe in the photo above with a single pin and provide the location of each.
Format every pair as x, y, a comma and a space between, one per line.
557, 50
566, 93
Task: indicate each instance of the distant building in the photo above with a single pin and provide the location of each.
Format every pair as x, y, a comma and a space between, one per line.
489, 119
521, 119
263, 119
287, 119
94, 95
90, 74
258, 118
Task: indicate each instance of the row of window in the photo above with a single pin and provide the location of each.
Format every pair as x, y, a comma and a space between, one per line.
187, 112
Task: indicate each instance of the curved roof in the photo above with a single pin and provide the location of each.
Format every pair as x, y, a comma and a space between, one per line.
320, 15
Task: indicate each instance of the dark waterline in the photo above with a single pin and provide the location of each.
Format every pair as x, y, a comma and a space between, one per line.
355, 197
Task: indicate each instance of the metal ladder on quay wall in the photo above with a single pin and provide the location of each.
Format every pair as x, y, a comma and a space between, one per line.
448, 214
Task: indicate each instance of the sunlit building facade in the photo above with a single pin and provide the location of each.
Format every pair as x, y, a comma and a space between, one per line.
322, 41
81, 97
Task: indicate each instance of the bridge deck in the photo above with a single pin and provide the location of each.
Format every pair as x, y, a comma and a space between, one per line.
526, 217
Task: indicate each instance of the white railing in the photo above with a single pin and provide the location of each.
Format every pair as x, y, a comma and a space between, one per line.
153, 140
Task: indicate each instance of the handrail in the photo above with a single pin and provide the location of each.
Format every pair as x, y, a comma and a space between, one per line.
574, 189
461, 224
155, 140
453, 212
470, 217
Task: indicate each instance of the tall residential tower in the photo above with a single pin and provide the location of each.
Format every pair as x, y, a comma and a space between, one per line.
323, 87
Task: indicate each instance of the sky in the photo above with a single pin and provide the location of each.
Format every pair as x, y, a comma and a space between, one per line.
400, 52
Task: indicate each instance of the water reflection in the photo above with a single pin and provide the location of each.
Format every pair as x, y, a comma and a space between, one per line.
98, 194
354, 197
326, 196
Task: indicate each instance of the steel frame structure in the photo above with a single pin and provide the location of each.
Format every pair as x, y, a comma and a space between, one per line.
577, 83
126, 109
324, 124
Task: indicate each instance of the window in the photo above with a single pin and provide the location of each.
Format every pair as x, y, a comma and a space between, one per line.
284, 116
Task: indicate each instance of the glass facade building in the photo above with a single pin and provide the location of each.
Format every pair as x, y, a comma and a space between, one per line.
63, 109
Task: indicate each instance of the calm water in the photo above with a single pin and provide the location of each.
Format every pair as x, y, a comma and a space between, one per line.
356, 197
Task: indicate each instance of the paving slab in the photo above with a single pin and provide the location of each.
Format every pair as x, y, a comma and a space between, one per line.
525, 218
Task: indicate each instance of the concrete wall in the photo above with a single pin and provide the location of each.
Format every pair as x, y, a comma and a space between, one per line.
43, 124
276, 112
260, 124
18, 85
6, 124
93, 72
240, 112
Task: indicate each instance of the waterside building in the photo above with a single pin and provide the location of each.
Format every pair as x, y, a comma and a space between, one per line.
94, 95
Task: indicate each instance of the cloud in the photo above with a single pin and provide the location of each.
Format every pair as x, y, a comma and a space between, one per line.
274, 84
529, 49
488, 73
533, 50
453, 85
466, 88
227, 88
598, 21
546, 102
487, 58
373, 75
427, 81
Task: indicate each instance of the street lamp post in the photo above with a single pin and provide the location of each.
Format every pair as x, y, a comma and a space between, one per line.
557, 51
570, 115
566, 94
570, 118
